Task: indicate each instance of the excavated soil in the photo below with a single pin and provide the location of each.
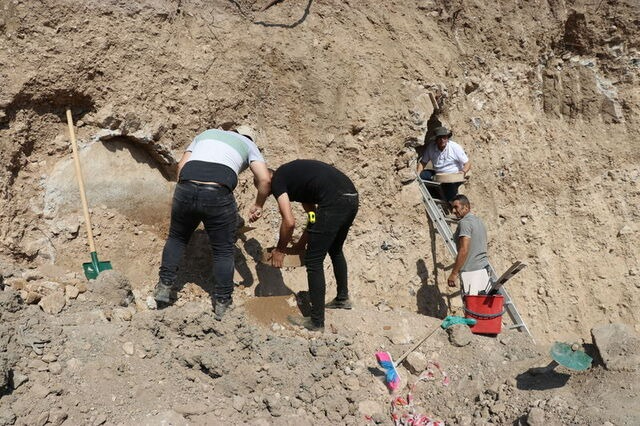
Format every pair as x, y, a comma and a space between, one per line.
543, 95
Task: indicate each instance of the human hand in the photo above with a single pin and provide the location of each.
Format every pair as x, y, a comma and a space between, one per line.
277, 258
452, 281
255, 213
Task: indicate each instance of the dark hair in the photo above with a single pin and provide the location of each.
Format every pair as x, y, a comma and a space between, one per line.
463, 200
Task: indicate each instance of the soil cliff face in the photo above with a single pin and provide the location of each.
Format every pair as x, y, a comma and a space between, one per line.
543, 95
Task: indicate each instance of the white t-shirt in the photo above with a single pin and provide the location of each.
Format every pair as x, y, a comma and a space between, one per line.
450, 160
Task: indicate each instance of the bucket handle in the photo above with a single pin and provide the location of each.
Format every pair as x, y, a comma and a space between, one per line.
484, 316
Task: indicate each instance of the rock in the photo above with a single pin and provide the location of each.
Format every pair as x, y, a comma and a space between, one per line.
459, 335
351, 383
7, 417
71, 291
31, 297
406, 175
128, 348
5, 374
32, 275
536, 417
274, 405
55, 368
238, 403
57, 417
112, 288
151, 303
122, 314
9, 300
619, 346
18, 379
82, 287
625, 230
191, 409
42, 419
53, 303
49, 357
416, 362
99, 420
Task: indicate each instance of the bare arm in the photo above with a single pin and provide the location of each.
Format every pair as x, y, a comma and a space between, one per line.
287, 226
262, 182
181, 163
466, 167
463, 252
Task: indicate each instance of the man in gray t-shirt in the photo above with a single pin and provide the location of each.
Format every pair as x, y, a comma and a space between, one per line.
471, 238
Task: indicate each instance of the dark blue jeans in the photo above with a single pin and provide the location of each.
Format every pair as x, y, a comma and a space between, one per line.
449, 190
327, 235
216, 208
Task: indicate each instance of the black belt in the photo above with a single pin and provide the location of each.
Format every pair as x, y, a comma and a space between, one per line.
201, 185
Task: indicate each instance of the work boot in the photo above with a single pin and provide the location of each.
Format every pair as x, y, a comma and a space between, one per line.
339, 304
305, 322
164, 294
221, 307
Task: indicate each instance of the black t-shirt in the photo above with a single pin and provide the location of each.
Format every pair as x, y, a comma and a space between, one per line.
310, 181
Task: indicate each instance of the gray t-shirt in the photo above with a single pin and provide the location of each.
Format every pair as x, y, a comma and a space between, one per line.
471, 226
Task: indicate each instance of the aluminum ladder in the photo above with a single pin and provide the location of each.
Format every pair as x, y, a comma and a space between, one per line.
436, 214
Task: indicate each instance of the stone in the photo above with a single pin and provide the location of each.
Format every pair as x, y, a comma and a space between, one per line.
7, 417
57, 417
625, 230
238, 403
55, 368
71, 291
42, 419
190, 409
619, 346
49, 357
128, 348
18, 379
99, 420
53, 303
122, 314
535, 417
459, 335
31, 297
416, 362
151, 303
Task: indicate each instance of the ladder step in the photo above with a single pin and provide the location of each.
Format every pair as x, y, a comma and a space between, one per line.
437, 211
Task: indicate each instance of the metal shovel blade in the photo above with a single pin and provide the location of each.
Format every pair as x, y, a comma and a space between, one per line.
92, 269
563, 354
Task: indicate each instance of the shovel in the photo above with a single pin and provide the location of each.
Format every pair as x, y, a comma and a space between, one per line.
91, 269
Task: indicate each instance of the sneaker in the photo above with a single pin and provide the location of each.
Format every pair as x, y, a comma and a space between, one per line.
221, 307
339, 304
305, 322
164, 293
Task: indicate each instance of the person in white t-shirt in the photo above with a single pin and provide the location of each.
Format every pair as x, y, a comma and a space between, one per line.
446, 156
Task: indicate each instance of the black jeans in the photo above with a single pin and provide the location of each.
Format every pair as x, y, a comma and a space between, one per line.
216, 208
327, 235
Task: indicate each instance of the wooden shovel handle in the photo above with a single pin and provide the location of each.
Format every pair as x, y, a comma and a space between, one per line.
83, 196
406, 354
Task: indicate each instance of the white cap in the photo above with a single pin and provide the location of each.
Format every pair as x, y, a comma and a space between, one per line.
248, 131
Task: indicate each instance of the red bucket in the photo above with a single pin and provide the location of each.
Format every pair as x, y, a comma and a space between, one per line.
487, 310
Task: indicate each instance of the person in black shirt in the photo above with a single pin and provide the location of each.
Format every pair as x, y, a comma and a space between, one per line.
333, 198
